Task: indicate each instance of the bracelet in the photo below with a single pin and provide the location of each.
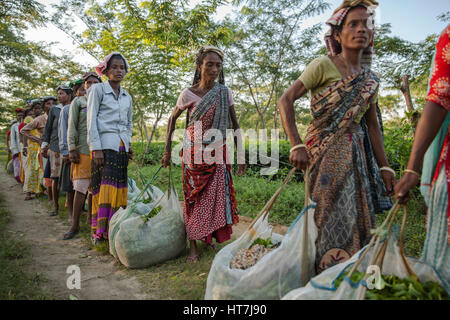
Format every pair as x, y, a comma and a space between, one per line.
388, 169
297, 147
413, 172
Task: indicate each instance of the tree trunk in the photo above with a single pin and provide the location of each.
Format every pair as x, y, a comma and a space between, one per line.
406, 93
261, 118
414, 115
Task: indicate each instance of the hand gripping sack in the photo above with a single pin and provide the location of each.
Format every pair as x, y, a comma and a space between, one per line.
383, 252
278, 272
140, 243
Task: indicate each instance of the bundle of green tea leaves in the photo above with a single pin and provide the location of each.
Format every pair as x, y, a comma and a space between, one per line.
399, 289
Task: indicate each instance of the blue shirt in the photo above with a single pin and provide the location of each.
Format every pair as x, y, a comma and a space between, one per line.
109, 118
62, 130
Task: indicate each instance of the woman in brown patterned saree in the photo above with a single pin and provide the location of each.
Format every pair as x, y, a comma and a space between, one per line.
344, 146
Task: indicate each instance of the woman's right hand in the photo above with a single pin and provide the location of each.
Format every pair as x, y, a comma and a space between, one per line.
99, 158
299, 159
165, 161
45, 152
74, 156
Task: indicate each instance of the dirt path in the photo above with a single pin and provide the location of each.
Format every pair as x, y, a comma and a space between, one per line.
102, 277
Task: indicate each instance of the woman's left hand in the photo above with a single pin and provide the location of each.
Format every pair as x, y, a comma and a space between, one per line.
242, 169
389, 182
130, 153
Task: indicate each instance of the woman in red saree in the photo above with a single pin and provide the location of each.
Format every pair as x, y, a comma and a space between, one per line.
349, 174
430, 152
209, 199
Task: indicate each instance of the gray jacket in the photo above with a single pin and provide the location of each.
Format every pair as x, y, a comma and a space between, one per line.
50, 136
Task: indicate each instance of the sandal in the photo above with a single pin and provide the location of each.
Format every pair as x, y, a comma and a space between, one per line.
70, 234
28, 198
194, 259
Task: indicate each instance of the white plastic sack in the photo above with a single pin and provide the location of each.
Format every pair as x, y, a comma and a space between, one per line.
274, 275
139, 244
10, 167
139, 209
133, 190
322, 286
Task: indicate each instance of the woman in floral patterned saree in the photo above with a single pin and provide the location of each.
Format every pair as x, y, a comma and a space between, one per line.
350, 179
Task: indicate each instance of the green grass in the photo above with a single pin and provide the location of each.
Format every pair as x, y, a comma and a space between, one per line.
414, 236
15, 282
176, 279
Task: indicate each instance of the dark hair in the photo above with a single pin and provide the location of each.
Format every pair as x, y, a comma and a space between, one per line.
76, 87
199, 61
45, 99
108, 65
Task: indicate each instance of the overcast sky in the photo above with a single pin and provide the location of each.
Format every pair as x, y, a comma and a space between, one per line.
412, 20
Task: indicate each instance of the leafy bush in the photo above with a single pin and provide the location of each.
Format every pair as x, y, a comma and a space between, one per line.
157, 149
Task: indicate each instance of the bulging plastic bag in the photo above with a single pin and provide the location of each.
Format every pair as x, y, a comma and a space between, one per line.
323, 286
138, 241
10, 167
277, 273
368, 260
134, 208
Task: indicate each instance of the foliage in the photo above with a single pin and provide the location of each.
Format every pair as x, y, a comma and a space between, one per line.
393, 57
28, 69
157, 37
398, 140
268, 46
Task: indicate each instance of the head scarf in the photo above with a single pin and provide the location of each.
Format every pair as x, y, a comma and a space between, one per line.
91, 74
33, 102
63, 87
333, 47
101, 68
19, 110
202, 52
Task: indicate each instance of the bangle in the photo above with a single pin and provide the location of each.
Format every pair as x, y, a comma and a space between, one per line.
297, 147
388, 169
413, 172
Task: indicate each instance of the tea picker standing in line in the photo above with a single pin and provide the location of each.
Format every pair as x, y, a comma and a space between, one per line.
109, 125
344, 146
210, 207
